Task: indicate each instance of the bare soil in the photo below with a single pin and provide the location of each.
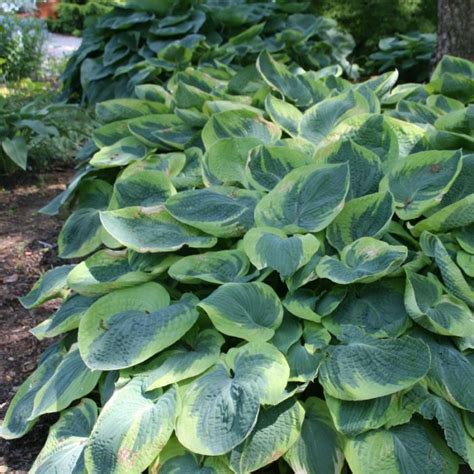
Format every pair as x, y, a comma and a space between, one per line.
27, 249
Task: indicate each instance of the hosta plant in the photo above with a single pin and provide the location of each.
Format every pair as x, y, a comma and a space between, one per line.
144, 42
277, 278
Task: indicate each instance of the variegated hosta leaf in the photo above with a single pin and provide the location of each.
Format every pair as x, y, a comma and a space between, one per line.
451, 375
239, 123
180, 362
164, 131
313, 305
353, 418
451, 421
319, 446
71, 380
365, 261
412, 447
418, 182
306, 200
122, 444
304, 363
367, 216
17, 421
268, 247
251, 311
277, 76
285, 115
121, 109
225, 266
466, 263
437, 312
126, 327
121, 153
152, 229
221, 211
141, 188
224, 162
276, 430
108, 134
50, 285
65, 319
220, 410
376, 308
320, 119
268, 165
67, 439
363, 368
365, 166
105, 271
287, 334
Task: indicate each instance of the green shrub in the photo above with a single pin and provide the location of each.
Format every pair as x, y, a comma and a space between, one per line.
279, 270
412, 54
75, 15
131, 46
21, 46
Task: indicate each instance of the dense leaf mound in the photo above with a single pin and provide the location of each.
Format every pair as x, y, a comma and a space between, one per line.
279, 270
147, 41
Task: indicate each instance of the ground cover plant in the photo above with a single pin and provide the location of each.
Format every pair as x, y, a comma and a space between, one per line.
277, 273
148, 41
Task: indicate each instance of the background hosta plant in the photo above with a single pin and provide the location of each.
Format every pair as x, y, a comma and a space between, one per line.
274, 277
144, 42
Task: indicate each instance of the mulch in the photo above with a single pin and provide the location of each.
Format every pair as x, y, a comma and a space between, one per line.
27, 249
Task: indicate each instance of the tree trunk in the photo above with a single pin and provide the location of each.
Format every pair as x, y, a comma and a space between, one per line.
455, 28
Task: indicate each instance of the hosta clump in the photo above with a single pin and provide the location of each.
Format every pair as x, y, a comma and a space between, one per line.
140, 42
277, 279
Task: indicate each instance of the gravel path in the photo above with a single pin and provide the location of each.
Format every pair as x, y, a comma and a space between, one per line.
58, 46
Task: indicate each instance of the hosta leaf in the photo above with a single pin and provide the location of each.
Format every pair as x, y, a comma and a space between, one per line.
451, 375
440, 313
17, 421
413, 447
251, 311
285, 115
108, 134
164, 131
365, 260
418, 182
239, 123
181, 363
357, 369
364, 165
376, 308
458, 214
367, 216
287, 334
126, 327
277, 429
221, 211
128, 444
319, 446
312, 305
466, 262
280, 78
225, 266
122, 109
65, 319
268, 165
320, 119
451, 421
306, 200
268, 247
64, 448
465, 238
121, 153
16, 149
225, 160
105, 271
353, 418
152, 230
70, 381
142, 188
220, 410
304, 363
49, 286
